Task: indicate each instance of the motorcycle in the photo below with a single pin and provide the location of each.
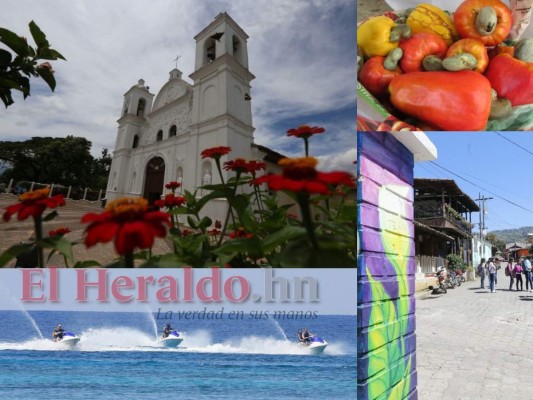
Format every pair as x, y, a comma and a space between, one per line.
461, 275
441, 287
455, 278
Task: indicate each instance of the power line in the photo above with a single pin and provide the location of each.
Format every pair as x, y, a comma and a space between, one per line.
488, 191
516, 144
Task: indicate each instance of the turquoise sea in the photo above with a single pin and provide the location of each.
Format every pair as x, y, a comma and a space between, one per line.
255, 357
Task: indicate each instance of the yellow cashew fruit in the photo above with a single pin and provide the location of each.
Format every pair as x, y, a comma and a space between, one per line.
429, 18
373, 36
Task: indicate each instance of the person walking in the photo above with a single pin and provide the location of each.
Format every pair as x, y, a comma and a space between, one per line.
518, 276
527, 272
481, 272
492, 275
510, 272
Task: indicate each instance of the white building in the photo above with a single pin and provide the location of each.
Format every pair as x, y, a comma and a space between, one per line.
480, 249
160, 137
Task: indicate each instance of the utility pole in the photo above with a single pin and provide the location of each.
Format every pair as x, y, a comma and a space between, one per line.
482, 200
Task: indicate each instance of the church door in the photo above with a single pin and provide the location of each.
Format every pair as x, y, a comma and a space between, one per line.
154, 179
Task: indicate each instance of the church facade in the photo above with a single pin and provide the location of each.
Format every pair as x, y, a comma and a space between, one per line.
160, 137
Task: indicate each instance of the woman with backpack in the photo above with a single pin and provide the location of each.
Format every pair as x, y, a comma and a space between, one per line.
518, 274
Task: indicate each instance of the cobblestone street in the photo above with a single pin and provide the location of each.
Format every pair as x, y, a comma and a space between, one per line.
473, 344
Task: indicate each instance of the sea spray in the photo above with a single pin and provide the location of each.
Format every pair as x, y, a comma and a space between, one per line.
154, 324
115, 338
279, 328
27, 314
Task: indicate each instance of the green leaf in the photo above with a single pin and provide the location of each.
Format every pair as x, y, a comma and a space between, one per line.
47, 76
5, 58
87, 264
50, 216
38, 36
14, 251
64, 247
192, 222
5, 95
205, 222
347, 213
14, 42
282, 236
50, 54
9, 84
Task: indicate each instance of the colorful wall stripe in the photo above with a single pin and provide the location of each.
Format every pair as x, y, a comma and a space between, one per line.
386, 268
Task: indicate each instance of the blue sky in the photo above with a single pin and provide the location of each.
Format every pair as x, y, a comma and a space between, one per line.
301, 52
491, 161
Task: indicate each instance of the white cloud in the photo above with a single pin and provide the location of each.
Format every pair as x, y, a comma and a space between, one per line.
301, 56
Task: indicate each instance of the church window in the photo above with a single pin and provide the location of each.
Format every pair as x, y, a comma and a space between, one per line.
140, 107
135, 142
159, 136
172, 131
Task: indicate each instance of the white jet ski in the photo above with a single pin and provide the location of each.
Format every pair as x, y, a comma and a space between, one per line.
316, 345
69, 339
172, 340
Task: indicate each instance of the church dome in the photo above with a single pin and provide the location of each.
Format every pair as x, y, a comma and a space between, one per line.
172, 90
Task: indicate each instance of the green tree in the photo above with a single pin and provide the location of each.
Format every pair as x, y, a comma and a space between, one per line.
100, 172
66, 161
496, 241
16, 69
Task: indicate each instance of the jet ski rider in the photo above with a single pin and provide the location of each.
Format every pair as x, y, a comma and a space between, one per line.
304, 336
167, 329
58, 333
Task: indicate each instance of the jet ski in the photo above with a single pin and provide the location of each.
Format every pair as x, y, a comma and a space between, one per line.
316, 345
68, 339
172, 340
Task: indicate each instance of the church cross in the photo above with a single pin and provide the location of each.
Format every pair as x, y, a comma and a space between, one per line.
176, 59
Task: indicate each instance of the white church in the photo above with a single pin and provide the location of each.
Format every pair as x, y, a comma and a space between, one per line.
160, 139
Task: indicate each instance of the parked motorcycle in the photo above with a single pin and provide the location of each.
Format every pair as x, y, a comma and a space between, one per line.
455, 278
441, 278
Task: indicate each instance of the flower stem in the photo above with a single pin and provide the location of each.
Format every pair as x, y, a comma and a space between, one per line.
128, 260
306, 142
38, 221
303, 202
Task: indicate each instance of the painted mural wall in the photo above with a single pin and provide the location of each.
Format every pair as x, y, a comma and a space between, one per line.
386, 269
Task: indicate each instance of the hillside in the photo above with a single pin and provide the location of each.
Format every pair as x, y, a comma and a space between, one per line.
514, 235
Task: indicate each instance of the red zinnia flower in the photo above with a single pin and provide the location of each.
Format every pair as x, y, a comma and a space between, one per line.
215, 152
214, 231
59, 232
127, 221
241, 233
237, 165
218, 224
170, 201
305, 131
186, 232
173, 185
33, 204
243, 166
254, 166
300, 175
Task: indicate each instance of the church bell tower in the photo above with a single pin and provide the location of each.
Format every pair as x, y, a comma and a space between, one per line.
222, 112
